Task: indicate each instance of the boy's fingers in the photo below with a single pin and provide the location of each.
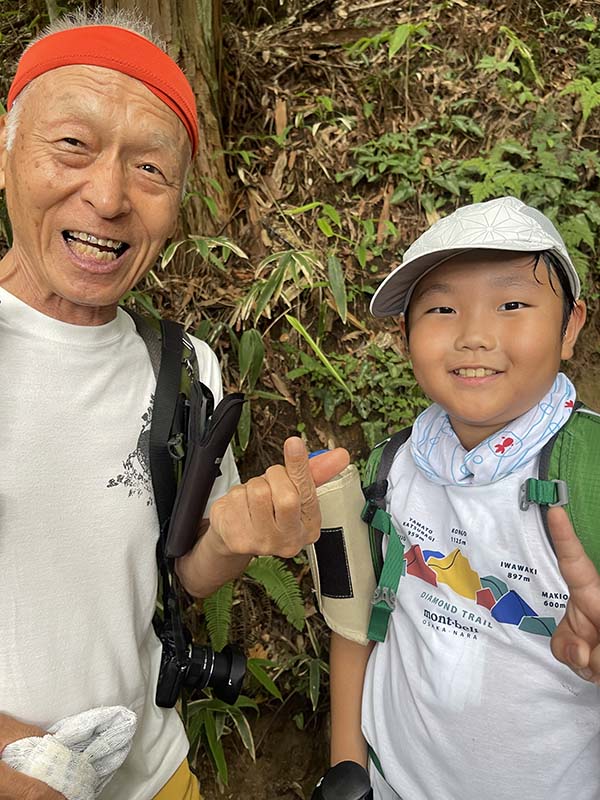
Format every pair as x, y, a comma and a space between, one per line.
576, 568
327, 465
572, 650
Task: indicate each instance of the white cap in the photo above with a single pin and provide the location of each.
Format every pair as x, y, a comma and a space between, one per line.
502, 224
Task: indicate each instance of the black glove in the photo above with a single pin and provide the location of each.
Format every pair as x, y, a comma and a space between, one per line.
346, 781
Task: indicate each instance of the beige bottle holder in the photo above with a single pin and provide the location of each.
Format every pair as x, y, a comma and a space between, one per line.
340, 561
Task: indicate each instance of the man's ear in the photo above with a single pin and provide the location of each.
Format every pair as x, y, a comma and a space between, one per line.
575, 324
3, 151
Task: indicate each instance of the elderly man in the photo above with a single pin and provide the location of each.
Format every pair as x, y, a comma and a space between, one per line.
93, 158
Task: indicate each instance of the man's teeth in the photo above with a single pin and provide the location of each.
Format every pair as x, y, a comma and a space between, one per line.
90, 251
480, 372
87, 237
89, 246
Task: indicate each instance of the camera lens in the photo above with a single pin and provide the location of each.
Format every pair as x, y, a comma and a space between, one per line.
228, 673
223, 671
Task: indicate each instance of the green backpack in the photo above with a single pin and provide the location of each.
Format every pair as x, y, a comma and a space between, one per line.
569, 471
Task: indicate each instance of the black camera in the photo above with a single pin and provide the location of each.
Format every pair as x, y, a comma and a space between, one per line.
192, 666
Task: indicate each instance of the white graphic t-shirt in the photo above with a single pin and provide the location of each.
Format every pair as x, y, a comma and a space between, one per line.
464, 700
78, 530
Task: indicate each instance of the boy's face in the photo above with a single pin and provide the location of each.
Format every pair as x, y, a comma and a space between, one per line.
485, 338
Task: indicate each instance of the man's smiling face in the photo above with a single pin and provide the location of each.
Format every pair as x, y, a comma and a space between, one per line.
93, 183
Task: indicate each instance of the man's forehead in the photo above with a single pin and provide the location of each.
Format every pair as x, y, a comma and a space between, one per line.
86, 93
116, 49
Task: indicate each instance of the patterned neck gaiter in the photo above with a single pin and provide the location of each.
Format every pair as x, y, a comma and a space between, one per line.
438, 453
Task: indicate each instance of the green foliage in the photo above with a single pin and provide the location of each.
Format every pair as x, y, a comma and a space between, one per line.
302, 673
281, 586
407, 35
385, 395
587, 92
214, 249
217, 612
208, 720
278, 581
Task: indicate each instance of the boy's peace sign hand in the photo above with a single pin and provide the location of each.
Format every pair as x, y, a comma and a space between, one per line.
576, 640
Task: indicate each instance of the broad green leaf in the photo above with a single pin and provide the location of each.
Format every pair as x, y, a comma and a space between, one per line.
325, 227
337, 284
251, 356
244, 425
399, 38
332, 213
211, 205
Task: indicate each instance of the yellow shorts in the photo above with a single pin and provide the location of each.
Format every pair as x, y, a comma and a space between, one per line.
182, 786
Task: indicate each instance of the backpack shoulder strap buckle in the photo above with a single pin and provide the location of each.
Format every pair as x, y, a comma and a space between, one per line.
544, 493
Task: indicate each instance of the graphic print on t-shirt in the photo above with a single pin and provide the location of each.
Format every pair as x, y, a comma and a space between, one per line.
505, 605
136, 467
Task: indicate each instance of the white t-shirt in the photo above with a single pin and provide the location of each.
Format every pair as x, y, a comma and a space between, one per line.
78, 530
464, 699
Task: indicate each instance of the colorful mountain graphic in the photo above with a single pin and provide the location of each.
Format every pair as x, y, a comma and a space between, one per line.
505, 605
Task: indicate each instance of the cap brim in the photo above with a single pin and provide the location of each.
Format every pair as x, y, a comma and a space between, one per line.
390, 299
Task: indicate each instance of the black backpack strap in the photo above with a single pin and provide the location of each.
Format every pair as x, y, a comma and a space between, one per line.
163, 414
150, 336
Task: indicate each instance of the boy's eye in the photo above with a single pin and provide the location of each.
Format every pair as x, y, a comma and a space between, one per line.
513, 305
441, 310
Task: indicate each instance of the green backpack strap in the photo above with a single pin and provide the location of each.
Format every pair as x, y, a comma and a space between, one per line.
569, 475
388, 570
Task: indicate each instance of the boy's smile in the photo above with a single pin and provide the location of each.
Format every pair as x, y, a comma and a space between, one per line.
485, 338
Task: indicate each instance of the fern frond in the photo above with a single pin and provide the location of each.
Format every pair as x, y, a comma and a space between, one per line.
281, 586
217, 610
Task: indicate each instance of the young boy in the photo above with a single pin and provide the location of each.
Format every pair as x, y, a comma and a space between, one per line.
464, 700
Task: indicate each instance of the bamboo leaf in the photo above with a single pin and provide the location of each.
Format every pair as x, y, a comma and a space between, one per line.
314, 682
216, 748
297, 325
243, 728
256, 669
169, 252
291, 212
281, 586
271, 288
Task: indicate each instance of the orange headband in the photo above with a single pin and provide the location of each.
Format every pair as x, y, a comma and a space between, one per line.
118, 49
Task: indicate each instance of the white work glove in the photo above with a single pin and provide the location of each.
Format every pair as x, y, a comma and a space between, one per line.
79, 754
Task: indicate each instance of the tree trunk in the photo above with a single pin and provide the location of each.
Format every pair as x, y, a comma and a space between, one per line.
192, 32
